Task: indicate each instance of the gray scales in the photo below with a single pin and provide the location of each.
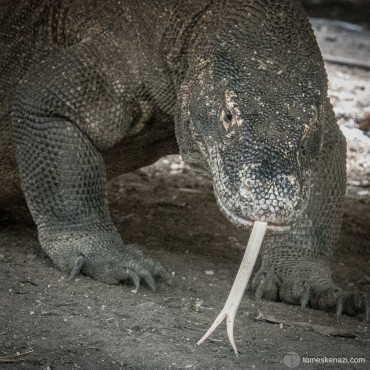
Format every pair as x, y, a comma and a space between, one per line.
91, 90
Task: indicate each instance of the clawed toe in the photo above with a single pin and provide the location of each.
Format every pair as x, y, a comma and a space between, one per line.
258, 285
305, 295
266, 285
134, 277
356, 303
77, 267
149, 280
112, 266
315, 291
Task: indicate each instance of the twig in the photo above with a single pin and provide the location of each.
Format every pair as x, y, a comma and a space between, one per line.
321, 329
15, 358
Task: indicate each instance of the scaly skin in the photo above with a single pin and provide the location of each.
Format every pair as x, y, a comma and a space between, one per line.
99, 88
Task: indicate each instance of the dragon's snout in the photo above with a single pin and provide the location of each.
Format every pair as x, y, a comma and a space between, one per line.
278, 199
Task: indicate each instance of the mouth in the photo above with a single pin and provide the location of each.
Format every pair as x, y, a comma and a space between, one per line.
248, 223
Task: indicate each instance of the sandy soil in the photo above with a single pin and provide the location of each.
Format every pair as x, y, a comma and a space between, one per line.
171, 211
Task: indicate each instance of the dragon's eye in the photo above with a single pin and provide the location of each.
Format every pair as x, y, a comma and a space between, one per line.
228, 116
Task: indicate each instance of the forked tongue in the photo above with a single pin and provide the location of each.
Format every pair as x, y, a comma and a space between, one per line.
240, 284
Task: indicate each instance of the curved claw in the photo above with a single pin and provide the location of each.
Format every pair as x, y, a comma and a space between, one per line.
77, 267
256, 278
150, 281
260, 286
305, 295
135, 278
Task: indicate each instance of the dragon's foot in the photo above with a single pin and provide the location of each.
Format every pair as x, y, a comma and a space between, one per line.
312, 286
102, 255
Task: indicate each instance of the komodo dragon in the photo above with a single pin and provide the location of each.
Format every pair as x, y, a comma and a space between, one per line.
93, 89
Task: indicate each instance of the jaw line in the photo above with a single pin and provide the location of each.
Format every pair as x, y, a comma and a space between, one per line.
245, 223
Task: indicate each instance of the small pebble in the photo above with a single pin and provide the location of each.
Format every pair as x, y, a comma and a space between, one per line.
363, 192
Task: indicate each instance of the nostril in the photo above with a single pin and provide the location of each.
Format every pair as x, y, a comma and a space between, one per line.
246, 190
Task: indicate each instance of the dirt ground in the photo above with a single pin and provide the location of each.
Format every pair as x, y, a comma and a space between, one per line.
171, 212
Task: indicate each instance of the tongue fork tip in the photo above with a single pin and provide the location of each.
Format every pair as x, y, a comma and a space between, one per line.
240, 283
